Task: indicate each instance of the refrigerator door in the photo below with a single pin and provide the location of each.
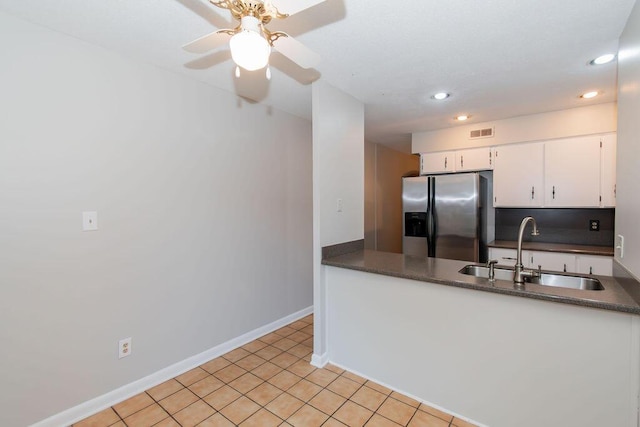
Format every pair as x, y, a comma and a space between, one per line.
414, 212
456, 216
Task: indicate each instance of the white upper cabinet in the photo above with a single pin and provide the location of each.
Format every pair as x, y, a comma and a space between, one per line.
472, 159
518, 175
444, 161
572, 172
475, 159
608, 171
575, 172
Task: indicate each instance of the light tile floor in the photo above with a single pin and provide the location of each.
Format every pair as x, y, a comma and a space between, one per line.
269, 382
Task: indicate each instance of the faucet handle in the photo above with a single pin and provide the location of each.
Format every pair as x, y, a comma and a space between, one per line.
492, 262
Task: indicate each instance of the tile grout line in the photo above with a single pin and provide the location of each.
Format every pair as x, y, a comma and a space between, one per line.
283, 364
158, 403
183, 386
246, 371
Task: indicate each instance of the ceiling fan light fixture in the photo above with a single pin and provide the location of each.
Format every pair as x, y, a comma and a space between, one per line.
249, 49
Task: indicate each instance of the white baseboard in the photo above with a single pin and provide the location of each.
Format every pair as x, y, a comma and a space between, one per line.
319, 360
88, 408
433, 405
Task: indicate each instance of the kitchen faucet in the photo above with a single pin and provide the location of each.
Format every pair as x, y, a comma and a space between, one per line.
519, 272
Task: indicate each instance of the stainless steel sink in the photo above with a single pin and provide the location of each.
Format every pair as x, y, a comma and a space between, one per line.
567, 281
482, 271
545, 279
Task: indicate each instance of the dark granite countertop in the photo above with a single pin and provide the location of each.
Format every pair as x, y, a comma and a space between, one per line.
614, 297
554, 247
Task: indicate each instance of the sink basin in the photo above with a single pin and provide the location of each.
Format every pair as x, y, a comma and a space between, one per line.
566, 281
482, 271
546, 279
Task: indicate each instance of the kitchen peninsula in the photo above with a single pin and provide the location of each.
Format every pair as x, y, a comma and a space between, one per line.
498, 355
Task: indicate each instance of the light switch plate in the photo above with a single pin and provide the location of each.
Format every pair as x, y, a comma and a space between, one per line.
89, 221
620, 246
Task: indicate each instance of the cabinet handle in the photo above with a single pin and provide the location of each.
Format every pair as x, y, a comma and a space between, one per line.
615, 191
553, 193
533, 193
509, 258
590, 270
490, 159
461, 161
445, 162
565, 268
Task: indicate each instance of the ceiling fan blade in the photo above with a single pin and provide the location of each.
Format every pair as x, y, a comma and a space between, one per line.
303, 76
206, 43
297, 52
290, 7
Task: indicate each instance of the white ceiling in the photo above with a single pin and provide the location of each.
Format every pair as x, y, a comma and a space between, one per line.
498, 58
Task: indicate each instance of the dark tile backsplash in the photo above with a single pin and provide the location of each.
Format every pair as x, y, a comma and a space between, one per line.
569, 226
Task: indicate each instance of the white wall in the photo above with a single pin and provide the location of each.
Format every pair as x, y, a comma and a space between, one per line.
499, 360
204, 207
338, 139
599, 118
338, 173
628, 161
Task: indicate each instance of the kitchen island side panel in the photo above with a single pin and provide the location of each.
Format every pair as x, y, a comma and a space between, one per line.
495, 359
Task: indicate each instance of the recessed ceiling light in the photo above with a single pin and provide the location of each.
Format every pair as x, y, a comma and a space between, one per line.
604, 59
441, 95
462, 117
589, 95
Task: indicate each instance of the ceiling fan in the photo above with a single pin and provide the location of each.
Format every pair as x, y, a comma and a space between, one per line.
251, 42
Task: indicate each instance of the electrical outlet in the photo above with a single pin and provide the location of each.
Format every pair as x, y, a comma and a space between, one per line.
594, 224
124, 348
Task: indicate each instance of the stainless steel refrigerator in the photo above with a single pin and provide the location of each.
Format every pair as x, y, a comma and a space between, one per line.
445, 216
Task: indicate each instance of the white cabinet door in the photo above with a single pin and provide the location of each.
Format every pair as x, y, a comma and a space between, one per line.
503, 256
599, 265
572, 172
475, 159
518, 175
608, 171
437, 162
554, 261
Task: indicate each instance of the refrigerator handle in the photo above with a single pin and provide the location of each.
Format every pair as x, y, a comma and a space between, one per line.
431, 218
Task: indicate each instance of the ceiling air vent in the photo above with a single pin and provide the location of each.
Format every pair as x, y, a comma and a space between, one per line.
481, 133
